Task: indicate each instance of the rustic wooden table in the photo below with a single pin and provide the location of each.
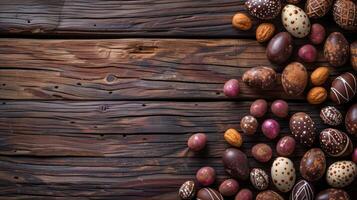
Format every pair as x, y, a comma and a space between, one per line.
98, 98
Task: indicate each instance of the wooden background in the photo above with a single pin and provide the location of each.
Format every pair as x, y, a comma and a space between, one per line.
98, 98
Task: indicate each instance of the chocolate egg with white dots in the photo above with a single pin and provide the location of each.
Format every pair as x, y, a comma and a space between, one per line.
303, 128
249, 124
263, 9
283, 174
341, 173
259, 179
335, 143
332, 193
295, 21
331, 116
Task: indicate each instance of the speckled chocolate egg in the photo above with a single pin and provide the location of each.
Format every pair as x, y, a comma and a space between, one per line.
283, 174
317, 8
303, 128
345, 14
209, 194
280, 48
260, 77
302, 190
236, 163
263, 9
336, 49
332, 194
294, 79
269, 195
295, 21
351, 120
285, 146
335, 143
187, 190
331, 116
258, 108
341, 173
229, 187
313, 164
262, 152
343, 88
259, 179
353, 51
249, 124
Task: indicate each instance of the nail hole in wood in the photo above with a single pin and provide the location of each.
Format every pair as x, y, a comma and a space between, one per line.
94, 24
110, 92
56, 87
101, 135
143, 105
3, 84
124, 135
3, 103
196, 104
15, 151
217, 93
16, 177
79, 83
95, 126
72, 122
144, 139
28, 21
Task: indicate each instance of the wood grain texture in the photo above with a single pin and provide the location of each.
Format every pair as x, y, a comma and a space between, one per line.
130, 69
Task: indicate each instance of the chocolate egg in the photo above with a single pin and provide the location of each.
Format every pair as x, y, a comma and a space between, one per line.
345, 14
317, 8
313, 164
236, 163
295, 21
260, 77
249, 124
293, 1
332, 194
209, 194
351, 120
353, 51
331, 116
262, 152
187, 190
280, 48
269, 195
303, 128
343, 88
283, 174
244, 194
341, 173
229, 187
285, 146
259, 179
336, 49
294, 79
335, 143
263, 9
302, 190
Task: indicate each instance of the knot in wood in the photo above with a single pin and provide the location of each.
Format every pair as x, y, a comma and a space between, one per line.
110, 78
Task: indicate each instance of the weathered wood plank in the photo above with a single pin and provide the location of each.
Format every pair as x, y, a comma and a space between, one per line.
129, 68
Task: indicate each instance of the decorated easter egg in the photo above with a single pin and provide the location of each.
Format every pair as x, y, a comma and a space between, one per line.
295, 21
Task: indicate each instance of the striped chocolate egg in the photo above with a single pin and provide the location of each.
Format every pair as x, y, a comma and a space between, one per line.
343, 88
335, 143
259, 179
302, 190
303, 128
331, 116
263, 9
209, 194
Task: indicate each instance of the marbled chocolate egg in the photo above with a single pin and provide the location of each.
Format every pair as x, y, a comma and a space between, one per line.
353, 51
335, 143
332, 194
313, 164
259, 179
295, 21
345, 14
343, 88
336, 49
269, 195
317, 8
236, 163
341, 173
303, 128
351, 120
187, 190
331, 116
283, 174
209, 194
302, 190
260, 77
294, 79
263, 9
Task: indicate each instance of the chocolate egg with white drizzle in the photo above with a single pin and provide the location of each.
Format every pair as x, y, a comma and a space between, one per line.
343, 88
335, 143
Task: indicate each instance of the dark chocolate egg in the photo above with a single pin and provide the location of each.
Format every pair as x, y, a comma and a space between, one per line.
209, 194
313, 164
351, 120
236, 163
259, 179
187, 190
335, 143
303, 128
317, 8
269, 195
263, 9
280, 48
260, 77
336, 49
331, 116
345, 14
343, 88
332, 194
353, 51
294, 78
302, 190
